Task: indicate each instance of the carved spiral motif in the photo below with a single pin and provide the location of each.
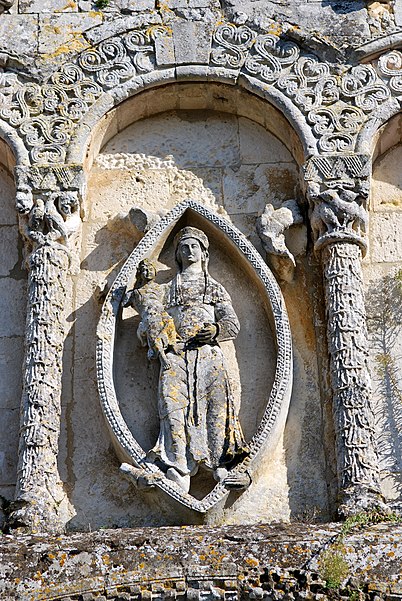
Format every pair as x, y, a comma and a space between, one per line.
390, 65
270, 56
361, 84
233, 43
319, 94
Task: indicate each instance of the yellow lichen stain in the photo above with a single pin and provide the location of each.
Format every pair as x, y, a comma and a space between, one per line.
166, 30
51, 556
202, 557
391, 554
74, 45
62, 559
69, 4
141, 566
275, 29
17, 580
165, 8
106, 559
252, 562
95, 13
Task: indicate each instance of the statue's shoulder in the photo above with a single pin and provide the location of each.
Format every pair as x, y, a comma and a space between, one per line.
217, 291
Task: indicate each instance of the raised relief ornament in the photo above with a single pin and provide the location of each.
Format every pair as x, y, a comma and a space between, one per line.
183, 323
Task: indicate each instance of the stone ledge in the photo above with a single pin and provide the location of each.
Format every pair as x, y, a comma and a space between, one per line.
231, 562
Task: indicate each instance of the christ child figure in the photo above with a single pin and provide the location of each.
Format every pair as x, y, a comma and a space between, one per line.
156, 328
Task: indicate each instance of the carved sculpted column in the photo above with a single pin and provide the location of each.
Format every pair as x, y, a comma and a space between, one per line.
337, 191
47, 201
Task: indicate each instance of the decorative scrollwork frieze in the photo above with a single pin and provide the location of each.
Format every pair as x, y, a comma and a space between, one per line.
335, 106
47, 115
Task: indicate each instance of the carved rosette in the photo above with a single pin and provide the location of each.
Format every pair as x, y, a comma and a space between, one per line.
337, 190
47, 200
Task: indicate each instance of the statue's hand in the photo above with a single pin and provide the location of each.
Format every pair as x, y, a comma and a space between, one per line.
206, 334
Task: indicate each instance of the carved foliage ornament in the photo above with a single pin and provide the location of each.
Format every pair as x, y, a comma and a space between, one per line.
335, 106
277, 403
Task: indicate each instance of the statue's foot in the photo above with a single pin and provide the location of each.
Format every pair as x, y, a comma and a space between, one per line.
165, 365
142, 479
182, 481
232, 481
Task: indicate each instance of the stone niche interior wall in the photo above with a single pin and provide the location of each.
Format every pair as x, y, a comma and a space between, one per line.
235, 166
12, 327
383, 279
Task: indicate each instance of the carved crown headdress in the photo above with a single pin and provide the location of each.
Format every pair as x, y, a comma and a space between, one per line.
191, 232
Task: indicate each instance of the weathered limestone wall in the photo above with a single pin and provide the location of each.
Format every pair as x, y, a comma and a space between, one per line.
284, 119
12, 326
235, 166
234, 562
238, 104
384, 296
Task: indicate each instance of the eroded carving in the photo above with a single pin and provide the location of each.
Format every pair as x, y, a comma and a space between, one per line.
46, 220
157, 328
338, 213
40, 499
183, 322
196, 354
348, 348
337, 191
271, 226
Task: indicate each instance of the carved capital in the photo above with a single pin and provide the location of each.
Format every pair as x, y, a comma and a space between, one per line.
337, 190
48, 202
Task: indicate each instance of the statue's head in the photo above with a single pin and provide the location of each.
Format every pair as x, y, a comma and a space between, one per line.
146, 270
186, 235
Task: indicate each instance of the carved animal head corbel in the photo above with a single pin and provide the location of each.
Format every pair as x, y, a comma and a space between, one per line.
271, 227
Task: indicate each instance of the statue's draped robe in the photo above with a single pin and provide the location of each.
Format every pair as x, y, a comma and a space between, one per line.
198, 422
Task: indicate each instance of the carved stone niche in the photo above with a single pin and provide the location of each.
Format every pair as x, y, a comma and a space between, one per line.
254, 377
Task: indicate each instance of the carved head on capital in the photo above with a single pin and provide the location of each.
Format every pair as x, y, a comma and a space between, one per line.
24, 199
67, 203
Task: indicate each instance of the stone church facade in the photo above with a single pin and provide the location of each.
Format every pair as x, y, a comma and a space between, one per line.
273, 129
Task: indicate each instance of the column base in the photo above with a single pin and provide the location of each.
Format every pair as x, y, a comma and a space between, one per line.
33, 517
359, 499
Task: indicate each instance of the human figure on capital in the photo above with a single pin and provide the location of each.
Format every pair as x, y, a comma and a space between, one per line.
198, 421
